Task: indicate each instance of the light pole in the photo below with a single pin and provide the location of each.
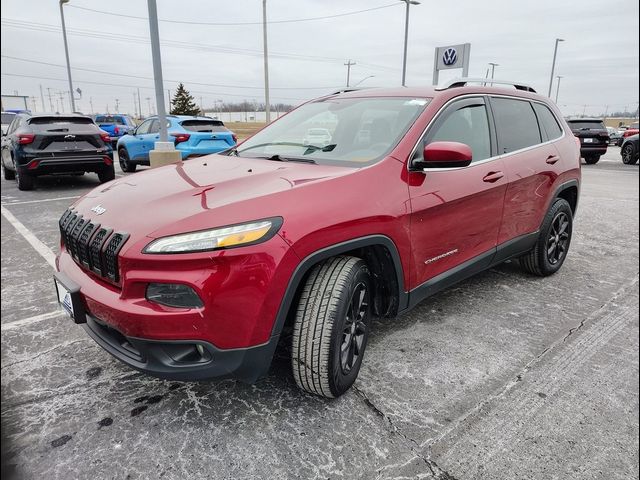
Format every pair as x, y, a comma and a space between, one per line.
157, 68
365, 78
66, 53
558, 87
553, 65
406, 39
266, 61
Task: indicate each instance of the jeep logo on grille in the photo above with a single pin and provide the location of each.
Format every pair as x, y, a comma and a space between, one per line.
98, 209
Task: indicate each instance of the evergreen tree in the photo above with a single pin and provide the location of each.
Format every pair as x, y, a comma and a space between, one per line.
183, 103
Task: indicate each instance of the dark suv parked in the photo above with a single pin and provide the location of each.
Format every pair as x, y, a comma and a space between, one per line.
198, 269
55, 144
593, 136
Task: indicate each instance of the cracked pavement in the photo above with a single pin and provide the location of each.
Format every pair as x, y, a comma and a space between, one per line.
504, 376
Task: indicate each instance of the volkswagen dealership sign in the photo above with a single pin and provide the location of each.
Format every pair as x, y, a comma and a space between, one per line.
451, 56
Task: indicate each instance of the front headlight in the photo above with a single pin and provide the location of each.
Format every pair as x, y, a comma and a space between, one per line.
218, 238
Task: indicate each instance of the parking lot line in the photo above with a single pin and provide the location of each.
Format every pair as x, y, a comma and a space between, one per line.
27, 321
40, 247
41, 200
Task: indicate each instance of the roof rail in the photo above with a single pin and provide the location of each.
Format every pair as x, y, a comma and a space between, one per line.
461, 82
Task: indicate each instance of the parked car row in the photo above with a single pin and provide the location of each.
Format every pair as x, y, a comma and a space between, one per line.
46, 144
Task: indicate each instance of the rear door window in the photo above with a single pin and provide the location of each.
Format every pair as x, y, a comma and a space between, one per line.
548, 121
516, 124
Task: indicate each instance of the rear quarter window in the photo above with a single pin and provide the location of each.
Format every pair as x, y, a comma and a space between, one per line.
516, 124
548, 121
203, 125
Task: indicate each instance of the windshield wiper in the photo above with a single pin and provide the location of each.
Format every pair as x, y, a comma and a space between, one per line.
279, 158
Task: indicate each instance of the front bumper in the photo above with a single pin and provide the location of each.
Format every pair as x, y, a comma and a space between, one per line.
185, 360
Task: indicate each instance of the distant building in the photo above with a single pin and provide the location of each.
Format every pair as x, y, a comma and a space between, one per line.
14, 102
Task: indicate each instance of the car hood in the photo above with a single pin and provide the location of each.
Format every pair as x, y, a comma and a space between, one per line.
200, 193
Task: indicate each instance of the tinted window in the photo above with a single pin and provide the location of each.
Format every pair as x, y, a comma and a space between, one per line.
548, 121
60, 120
468, 125
204, 125
155, 126
144, 127
586, 125
516, 124
110, 119
7, 118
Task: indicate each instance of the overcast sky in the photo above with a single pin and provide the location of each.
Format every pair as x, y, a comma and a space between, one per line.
598, 60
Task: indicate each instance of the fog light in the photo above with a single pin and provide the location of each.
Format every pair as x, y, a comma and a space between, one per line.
173, 295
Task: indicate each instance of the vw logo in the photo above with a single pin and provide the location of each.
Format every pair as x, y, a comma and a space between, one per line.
450, 57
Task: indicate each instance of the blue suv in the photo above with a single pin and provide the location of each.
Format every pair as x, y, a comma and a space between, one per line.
115, 125
193, 136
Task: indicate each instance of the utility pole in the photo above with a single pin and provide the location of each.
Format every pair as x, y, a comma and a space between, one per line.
66, 53
149, 105
157, 68
349, 64
606, 111
42, 98
169, 102
559, 77
91, 104
406, 40
33, 102
61, 95
266, 61
553, 65
493, 69
135, 106
139, 104
50, 99
584, 110
117, 105
201, 106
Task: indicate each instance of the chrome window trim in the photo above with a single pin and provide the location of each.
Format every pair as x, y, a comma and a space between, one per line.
490, 159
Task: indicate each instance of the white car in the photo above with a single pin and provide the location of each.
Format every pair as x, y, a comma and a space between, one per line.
319, 137
7, 118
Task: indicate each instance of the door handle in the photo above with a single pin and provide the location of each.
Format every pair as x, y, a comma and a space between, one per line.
492, 177
552, 159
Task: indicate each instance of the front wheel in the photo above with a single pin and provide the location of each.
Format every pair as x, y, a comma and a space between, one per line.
552, 246
592, 159
107, 174
629, 154
332, 326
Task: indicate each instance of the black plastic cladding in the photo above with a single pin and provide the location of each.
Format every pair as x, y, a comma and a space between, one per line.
91, 245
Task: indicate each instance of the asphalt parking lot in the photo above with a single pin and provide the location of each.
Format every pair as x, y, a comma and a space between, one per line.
505, 376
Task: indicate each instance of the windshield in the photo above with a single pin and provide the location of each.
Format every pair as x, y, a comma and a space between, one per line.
109, 119
7, 118
357, 131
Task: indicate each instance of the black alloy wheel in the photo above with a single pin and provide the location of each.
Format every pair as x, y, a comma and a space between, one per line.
558, 239
355, 329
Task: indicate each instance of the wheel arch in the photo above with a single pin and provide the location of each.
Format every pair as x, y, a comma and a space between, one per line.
383, 259
569, 191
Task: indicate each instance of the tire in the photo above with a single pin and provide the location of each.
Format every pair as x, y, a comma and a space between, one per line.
24, 181
107, 174
6, 173
592, 159
323, 326
125, 163
629, 154
557, 228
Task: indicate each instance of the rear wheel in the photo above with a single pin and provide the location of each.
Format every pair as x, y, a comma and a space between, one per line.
592, 159
24, 181
629, 154
332, 326
107, 174
125, 162
552, 246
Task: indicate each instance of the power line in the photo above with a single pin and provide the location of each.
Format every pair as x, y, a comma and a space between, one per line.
223, 24
103, 72
43, 27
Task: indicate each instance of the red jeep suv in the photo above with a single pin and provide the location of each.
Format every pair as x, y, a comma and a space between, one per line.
194, 270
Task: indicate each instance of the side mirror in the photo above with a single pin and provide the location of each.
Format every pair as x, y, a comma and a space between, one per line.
443, 155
